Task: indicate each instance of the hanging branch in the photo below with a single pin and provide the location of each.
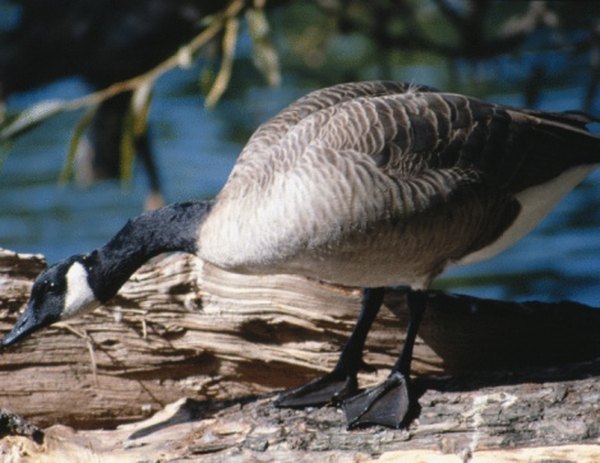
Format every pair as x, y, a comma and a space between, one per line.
223, 77
37, 113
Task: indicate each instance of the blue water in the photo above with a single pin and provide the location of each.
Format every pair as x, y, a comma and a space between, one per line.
196, 149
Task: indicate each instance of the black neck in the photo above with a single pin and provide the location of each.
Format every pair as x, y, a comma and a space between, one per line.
168, 229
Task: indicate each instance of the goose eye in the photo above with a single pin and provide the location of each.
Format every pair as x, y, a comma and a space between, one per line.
48, 286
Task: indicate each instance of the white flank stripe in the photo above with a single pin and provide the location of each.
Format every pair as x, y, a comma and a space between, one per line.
536, 202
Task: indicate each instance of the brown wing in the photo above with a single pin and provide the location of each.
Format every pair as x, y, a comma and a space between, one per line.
273, 130
510, 149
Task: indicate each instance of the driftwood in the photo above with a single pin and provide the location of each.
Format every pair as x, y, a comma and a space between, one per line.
489, 374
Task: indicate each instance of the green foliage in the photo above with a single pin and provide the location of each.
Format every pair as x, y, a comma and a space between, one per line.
326, 42
265, 56
127, 148
78, 132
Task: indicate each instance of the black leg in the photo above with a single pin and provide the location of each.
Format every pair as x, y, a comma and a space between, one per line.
341, 381
388, 403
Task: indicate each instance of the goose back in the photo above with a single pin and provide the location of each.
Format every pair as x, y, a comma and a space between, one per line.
383, 183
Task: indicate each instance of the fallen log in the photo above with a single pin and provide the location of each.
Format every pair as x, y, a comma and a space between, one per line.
533, 419
182, 328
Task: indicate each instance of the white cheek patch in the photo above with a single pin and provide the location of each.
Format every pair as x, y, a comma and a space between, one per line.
79, 297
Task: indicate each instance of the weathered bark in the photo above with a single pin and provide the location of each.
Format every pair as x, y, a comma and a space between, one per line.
181, 328
531, 419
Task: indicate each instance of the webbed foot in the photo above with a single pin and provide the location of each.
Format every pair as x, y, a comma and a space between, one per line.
333, 387
386, 404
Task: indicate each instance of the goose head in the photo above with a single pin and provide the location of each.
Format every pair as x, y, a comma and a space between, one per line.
81, 283
60, 292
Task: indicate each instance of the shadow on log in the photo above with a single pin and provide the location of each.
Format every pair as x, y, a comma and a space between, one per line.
489, 374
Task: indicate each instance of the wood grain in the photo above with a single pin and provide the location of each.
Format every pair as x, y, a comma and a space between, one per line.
504, 374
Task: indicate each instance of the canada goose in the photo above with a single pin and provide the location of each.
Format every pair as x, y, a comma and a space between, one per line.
362, 184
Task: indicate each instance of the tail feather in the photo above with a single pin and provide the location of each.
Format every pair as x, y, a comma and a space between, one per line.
572, 118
